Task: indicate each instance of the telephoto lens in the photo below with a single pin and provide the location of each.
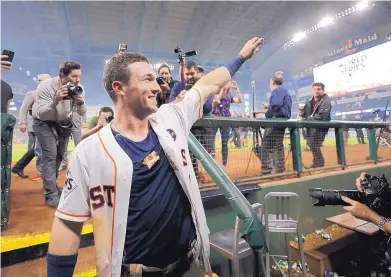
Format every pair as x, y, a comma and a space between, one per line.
328, 197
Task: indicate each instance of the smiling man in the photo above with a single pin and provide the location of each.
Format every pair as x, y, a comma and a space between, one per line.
135, 179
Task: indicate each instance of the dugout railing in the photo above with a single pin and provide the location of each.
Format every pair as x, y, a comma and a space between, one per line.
340, 149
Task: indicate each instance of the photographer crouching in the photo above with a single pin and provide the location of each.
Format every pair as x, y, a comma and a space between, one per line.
52, 122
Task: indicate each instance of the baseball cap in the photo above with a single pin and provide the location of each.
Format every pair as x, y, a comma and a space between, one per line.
201, 69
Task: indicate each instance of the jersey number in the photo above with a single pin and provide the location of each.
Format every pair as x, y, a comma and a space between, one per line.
97, 196
183, 152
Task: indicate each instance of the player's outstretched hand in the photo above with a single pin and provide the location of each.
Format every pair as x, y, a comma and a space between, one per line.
251, 47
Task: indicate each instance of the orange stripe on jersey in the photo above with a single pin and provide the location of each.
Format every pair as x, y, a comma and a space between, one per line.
199, 108
115, 198
73, 215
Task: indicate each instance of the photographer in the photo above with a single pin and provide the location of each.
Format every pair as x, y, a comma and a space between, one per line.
168, 82
317, 108
363, 212
106, 115
52, 116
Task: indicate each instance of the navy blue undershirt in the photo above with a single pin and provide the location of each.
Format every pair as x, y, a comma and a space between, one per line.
160, 225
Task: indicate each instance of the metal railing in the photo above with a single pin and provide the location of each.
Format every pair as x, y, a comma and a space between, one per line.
256, 149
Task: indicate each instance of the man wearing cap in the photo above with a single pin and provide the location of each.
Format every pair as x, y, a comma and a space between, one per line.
280, 105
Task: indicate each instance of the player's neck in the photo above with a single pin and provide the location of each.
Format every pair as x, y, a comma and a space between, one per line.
130, 125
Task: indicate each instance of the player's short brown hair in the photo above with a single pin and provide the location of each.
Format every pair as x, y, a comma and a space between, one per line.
117, 69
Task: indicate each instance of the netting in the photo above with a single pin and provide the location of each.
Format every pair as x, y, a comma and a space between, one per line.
256, 152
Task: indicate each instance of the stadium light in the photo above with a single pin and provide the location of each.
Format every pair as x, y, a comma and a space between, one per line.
326, 21
362, 5
299, 36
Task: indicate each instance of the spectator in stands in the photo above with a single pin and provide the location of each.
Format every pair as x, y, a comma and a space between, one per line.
359, 132
26, 123
280, 106
164, 71
52, 117
221, 107
106, 115
345, 130
204, 135
317, 108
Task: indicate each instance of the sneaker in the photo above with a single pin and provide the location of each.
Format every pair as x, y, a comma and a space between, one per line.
20, 173
53, 201
36, 177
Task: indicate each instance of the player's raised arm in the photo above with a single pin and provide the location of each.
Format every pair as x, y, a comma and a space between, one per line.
214, 81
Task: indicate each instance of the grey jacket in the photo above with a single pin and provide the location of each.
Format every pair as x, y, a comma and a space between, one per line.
46, 109
27, 105
322, 112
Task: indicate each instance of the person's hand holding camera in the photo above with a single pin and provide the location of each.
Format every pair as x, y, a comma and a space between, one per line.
359, 210
61, 93
5, 65
23, 127
78, 99
164, 86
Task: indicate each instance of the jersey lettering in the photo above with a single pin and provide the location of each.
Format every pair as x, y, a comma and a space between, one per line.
97, 196
109, 190
183, 152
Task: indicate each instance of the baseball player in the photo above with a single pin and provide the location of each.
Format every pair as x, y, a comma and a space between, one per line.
135, 180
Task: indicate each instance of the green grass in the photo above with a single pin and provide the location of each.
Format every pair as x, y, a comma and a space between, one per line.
18, 150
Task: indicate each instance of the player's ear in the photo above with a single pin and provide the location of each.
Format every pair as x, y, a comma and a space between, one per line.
119, 88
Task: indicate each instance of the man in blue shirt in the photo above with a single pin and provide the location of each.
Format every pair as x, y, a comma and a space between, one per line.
280, 105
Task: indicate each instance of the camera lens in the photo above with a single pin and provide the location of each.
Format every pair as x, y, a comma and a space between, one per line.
325, 197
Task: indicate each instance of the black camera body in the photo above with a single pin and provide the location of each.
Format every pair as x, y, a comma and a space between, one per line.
160, 80
73, 90
376, 195
182, 54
